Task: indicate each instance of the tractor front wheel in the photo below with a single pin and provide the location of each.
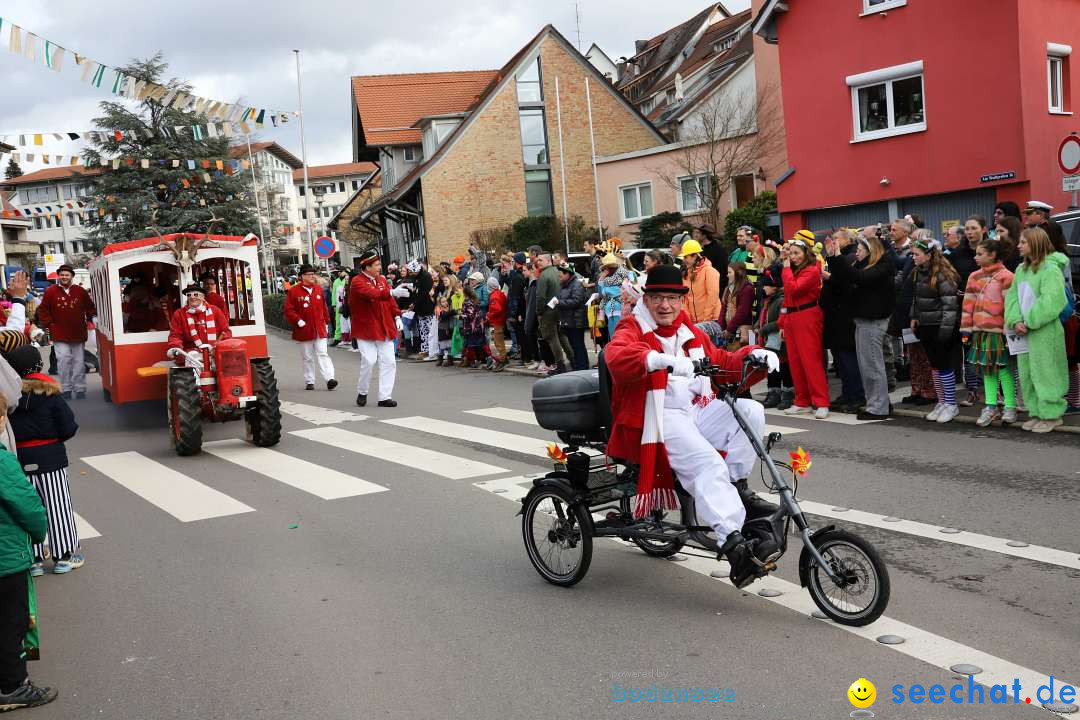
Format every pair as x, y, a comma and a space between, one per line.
262, 423
185, 412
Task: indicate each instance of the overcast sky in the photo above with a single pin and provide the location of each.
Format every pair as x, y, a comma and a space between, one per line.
243, 51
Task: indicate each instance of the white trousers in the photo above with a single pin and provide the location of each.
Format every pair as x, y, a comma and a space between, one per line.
383, 352
692, 437
71, 365
310, 351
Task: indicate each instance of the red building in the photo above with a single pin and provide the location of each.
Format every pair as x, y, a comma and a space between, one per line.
937, 108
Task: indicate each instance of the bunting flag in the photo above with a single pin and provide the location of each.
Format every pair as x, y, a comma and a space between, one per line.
227, 165
197, 132
25, 43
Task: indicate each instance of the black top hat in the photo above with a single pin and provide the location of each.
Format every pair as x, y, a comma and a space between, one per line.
194, 287
665, 278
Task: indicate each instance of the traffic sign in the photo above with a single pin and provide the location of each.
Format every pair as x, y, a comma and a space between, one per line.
1069, 155
1070, 184
325, 247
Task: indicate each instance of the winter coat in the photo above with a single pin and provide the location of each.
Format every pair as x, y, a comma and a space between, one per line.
22, 517
372, 308
873, 296
547, 287
744, 309
1037, 298
984, 300
191, 327
936, 307
472, 320
530, 305
768, 322
963, 261
703, 301
446, 324
423, 303
838, 307
802, 287
42, 415
905, 295
307, 304
496, 313
571, 305
66, 312
515, 296
483, 296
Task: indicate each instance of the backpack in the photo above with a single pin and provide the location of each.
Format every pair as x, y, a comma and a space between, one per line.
1070, 305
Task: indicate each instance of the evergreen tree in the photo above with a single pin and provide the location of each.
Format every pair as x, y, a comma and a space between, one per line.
182, 201
13, 170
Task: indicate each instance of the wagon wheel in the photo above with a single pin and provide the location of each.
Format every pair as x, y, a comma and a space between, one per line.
185, 412
262, 424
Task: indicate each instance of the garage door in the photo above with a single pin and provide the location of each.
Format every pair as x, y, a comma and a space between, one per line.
937, 211
853, 216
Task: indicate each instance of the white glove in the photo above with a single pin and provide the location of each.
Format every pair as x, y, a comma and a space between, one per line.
300, 323
193, 359
767, 358
400, 325
173, 352
680, 366
400, 291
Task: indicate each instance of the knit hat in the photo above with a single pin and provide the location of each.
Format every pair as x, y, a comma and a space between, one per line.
458, 259
520, 258
806, 236
477, 277
25, 360
493, 282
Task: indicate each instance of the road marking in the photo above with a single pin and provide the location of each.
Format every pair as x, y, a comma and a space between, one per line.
185, 498
933, 649
448, 466
834, 417
307, 476
526, 417
85, 529
319, 415
494, 438
934, 532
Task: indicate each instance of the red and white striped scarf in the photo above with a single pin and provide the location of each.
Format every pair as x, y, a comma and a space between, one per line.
208, 322
656, 484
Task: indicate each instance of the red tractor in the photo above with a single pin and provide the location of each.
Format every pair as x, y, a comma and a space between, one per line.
136, 287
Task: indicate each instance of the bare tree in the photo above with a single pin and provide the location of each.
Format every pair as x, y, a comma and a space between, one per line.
359, 237
728, 135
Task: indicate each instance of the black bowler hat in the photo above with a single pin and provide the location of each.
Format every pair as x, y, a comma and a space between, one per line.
194, 287
665, 278
64, 267
368, 257
306, 269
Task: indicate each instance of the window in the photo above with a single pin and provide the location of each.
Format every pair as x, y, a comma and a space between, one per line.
43, 193
341, 186
1057, 77
68, 192
303, 214
533, 140
302, 190
37, 222
888, 102
355, 185
73, 220
538, 192
412, 153
693, 192
670, 97
529, 89
725, 43
636, 202
743, 187
876, 6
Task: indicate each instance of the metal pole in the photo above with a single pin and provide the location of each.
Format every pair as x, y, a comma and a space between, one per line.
303, 157
258, 211
596, 183
562, 168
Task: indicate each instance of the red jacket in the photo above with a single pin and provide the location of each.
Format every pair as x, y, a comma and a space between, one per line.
625, 360
309, 307
496, 316
190, 328
66, 313
372, 309
218, 301
801, 288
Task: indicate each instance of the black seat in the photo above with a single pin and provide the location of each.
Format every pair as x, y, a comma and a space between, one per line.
607, 419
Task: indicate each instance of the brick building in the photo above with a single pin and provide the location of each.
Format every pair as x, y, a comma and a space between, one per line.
505, 155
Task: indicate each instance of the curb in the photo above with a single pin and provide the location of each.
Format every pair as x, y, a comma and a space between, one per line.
901, 412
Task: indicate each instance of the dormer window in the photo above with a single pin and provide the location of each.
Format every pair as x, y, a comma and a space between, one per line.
725, 43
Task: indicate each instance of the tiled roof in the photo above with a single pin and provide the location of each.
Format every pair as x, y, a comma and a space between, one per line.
389, 105
241, 151
338, 170
57, 173
703, 52
670, 42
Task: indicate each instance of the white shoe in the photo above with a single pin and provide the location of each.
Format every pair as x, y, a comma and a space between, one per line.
948, 412
798, 410
821, 413
932, 416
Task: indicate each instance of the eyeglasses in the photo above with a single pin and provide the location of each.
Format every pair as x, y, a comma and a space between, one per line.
661, 299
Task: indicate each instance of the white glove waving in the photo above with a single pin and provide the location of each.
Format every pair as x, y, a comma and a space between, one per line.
193, 359
300, 323
767, 358
400, 325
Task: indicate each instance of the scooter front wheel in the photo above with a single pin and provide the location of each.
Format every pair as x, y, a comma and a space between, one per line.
554, 528
862, 594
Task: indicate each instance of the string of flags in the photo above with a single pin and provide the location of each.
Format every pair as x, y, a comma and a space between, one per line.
82, 208
229, 166
206, 131
51, 55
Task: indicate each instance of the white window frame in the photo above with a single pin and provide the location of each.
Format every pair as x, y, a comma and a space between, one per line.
868, 9
405, 151
885, 76
679, 194
623, 219
1056, 57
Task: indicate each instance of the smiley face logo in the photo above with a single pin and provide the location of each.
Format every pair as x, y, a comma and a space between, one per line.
862, 693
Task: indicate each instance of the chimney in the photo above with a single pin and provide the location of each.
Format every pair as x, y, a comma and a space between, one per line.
640, 45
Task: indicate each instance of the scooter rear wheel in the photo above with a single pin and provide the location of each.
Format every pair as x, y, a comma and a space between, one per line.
863, 595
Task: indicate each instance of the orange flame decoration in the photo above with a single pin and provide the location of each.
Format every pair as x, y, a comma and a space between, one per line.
800, 461
556, 453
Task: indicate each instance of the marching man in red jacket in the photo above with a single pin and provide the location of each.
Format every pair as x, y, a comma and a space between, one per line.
668, 420
376, 323
194, 327
65, 310
305, 310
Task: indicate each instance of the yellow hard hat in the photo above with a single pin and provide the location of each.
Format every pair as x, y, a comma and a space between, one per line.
690, 247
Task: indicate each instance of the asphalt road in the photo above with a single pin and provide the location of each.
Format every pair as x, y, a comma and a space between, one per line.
417, 600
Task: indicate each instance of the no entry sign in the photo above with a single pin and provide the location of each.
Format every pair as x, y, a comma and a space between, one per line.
1069, 155
325, 247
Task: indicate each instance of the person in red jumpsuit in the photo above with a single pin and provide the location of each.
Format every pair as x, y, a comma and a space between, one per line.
305, 310
802, 323
376, 323
196, 326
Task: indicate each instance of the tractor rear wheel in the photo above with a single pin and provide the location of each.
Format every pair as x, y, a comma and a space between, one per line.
262, 423
185, 412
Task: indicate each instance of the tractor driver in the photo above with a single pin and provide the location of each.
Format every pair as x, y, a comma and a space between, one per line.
667, 419
195, 326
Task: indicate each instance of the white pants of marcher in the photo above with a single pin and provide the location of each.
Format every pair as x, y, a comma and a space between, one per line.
383, 351
311, 350
692, 437
71, 365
